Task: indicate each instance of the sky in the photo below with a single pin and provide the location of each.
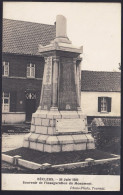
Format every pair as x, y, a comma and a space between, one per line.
95, 26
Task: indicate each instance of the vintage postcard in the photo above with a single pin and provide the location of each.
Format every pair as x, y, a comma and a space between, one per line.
61, 96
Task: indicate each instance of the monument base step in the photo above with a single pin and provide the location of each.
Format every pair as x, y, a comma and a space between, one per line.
59, 143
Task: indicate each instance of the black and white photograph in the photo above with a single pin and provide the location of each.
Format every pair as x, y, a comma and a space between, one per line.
61, 96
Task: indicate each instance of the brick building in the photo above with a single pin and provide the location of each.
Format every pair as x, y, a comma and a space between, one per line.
22, 68
23, 73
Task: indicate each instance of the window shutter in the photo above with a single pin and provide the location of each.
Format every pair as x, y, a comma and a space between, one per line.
108, 104
99, 104
13, 100
28, 71
3, 69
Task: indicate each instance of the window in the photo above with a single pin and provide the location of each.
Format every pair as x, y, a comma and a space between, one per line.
5, 69
31, 70
5, 102
30, 95
104, 104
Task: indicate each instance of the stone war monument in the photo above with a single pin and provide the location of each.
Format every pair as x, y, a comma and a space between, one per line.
59, 125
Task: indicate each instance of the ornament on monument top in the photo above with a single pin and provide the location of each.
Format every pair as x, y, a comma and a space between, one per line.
61, 42
61, 26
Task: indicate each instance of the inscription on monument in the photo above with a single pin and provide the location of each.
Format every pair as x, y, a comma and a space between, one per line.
48, 71
47, 81
70, 125
67, 88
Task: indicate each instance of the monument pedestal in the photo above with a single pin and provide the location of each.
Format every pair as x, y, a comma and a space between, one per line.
58, 124
55, 131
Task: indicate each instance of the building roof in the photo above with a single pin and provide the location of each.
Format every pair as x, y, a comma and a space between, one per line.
22, 37
100, 81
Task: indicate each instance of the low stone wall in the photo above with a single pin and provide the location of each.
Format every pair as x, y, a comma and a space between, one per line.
7, 158
13, 117
28, 164
16, 160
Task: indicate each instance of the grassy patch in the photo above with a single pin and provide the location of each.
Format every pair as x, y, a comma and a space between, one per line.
58, 158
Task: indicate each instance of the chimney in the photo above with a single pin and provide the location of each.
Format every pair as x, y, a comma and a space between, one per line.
61, 26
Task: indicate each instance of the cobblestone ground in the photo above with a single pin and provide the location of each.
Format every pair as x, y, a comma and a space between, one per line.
12, 141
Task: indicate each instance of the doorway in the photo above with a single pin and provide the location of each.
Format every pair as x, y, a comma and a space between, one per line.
30, 105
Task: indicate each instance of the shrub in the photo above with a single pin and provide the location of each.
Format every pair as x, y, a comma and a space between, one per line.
106, 138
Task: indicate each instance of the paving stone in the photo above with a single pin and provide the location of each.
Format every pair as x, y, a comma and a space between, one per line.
40, 147
26, 143
79, 146
69, 114
81, 115
37, 121
42, 139
34, 115
89, 137
26, 137
65, 139
68, 147
80, 138
52, 148
57, 116
85, 130
52, 122
51, 130
52, 140
33, 137
91, 145
32, 128
45, 122
42, 113
32, 145
33, 120
41, 130
53, 115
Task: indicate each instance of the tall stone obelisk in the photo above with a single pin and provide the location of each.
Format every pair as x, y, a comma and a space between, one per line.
58, 124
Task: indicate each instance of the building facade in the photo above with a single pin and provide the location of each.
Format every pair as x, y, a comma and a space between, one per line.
101, 94
22, 68
21, 86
